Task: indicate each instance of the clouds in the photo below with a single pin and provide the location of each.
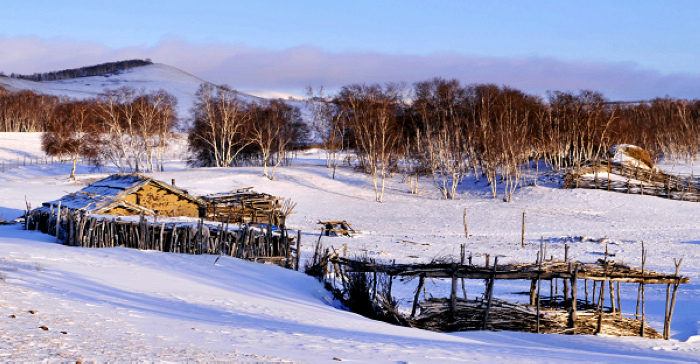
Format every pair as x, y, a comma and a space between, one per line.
243, 67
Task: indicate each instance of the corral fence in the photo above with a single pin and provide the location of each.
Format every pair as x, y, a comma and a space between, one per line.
9, 164
263, 243
607, 175
565, 310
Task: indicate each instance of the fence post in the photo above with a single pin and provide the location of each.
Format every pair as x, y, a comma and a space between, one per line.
58, 220
296, 264
522, 239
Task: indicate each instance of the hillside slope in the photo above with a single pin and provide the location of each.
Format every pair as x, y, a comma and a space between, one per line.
127, 305
152, 77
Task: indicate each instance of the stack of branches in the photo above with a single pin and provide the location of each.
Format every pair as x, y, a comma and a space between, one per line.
246, 206
436, 314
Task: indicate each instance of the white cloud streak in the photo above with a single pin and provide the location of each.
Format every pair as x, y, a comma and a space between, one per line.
243, 67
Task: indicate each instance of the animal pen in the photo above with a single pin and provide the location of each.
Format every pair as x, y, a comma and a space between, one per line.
610, 176
255, 242
565, 310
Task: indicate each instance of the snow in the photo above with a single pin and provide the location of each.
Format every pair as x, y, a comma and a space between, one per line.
125, 305
266, 94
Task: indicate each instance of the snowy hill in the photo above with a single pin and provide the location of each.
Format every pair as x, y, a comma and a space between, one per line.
118, 304
152, 77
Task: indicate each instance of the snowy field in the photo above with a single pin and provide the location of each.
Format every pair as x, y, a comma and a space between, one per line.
128, 305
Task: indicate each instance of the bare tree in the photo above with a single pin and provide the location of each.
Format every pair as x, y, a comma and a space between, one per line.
443, 117
220, 125
155, 120
73, 132
328, 125
370, 112
275, 125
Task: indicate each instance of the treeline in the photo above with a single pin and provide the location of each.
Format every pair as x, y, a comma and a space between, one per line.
444, 129
437, 128
228, 131
126, 127
25, 111
88, 71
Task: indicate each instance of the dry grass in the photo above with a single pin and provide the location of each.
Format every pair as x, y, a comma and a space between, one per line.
640, 154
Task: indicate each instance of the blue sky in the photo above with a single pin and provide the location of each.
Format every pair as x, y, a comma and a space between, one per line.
626, 49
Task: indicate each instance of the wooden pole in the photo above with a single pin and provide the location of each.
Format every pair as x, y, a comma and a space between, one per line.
462, 261
644, 259
421, 282
296, 263
466, 228
28, 215
602, 294
667, 333
490, 291
453, 291
574, 302
612, 296
566, 282
142, 230
539, 286
666, 309
161, 245
58, 220
522, 238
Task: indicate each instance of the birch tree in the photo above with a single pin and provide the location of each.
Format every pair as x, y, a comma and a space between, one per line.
220, 124
370, 112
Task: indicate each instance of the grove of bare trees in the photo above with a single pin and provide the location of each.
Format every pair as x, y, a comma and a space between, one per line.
127, 127
73, 132
227, 129
137, 125
25, 111
437, 128
443, 129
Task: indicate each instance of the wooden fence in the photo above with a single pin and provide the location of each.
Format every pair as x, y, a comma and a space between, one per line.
254, 242
617, 177
565, 310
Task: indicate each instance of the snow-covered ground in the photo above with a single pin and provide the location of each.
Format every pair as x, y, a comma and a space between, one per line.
119, 304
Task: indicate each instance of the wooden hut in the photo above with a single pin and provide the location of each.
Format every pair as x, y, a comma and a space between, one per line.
130, 194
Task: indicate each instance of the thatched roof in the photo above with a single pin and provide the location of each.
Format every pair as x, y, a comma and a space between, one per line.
109, 192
